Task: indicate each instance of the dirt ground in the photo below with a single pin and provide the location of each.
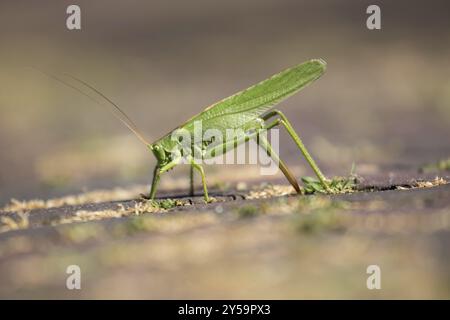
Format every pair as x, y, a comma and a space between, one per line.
260, 242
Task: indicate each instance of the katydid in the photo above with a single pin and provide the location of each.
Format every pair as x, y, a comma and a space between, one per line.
251, 110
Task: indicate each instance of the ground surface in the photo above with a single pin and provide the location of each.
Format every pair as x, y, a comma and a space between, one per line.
258, 242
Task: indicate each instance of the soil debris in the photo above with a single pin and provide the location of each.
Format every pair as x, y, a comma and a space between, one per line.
96, 196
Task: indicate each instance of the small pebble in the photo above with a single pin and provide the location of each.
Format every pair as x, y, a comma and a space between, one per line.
241, 186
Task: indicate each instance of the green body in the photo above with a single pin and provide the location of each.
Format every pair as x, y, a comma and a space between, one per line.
249, 110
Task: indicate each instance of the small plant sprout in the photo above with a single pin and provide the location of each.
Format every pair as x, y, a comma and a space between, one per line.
251, 111
336, 185
441, 165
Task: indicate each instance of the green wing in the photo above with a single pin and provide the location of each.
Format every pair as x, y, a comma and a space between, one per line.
241, 108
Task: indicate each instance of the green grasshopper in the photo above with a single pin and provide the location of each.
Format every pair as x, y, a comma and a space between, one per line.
251, 110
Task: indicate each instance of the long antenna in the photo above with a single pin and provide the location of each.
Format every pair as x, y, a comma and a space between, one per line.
116, 112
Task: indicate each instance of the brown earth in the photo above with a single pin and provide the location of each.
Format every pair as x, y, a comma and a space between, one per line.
260, 243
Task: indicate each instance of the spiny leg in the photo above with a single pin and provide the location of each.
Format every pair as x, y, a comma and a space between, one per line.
191, 180
262, 141
157, 173
202, 174
285, 122
257, 129
195, 152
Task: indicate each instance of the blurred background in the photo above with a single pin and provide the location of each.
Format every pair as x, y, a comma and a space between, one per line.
384, 102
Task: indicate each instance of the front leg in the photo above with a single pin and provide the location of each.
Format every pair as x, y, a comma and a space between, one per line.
191, 180
157, 173
155, 181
